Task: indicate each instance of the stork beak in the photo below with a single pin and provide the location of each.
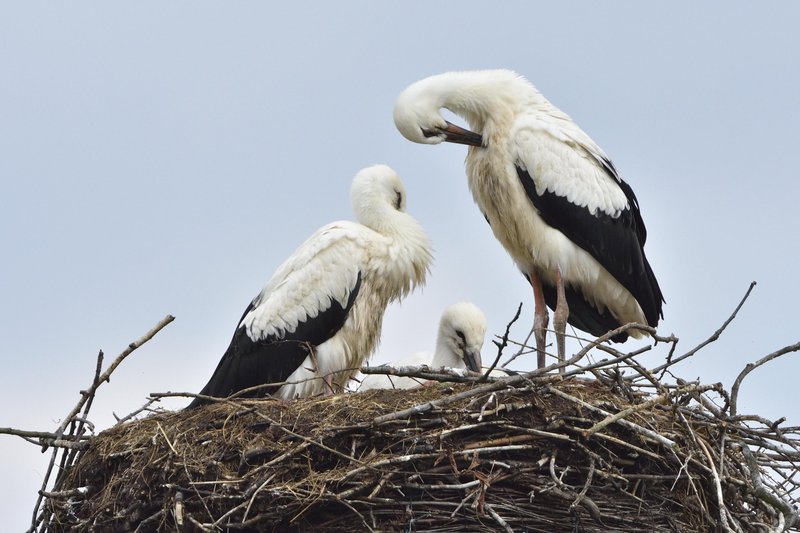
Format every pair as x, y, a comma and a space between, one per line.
459, 135
472, 358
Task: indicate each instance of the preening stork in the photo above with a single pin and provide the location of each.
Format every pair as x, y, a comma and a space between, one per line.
319, 317
458, 345
552, 196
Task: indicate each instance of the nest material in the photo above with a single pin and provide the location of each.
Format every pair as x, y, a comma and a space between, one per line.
498, 457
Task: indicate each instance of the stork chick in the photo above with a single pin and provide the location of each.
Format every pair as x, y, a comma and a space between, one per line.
462, 329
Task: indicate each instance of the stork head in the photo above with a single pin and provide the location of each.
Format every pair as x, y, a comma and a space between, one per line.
461, 333
376, 190
417, 115
379, 202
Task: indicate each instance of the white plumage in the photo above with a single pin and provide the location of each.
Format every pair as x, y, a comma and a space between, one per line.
551, 195
459, 341
320, 315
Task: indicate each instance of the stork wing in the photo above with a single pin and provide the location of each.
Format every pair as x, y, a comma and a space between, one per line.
304, 304
576, 190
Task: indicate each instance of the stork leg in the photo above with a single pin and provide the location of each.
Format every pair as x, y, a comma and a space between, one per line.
560, 314
328, 385
540, 318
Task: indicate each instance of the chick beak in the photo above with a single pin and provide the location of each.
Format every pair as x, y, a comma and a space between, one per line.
472, 358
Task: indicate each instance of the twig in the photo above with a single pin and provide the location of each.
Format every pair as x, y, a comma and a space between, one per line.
586, 485
46, 435
129, 416
106, 376
497, 518
663, 398
670, 362
87, 396
64, 494
502, 344
752, 366
166, 438
306, 439
723, 511
424, 372
630, 425
443, 486
791, 516
414, 456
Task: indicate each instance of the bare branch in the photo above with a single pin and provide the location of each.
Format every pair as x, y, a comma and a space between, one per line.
72, 443
752, 366
670, 362
36, 434
106, 376
502, 344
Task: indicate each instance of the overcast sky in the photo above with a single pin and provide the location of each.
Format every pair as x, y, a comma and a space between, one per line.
165, 158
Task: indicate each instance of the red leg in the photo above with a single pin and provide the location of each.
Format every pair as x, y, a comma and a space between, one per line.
540, 318
560, 315
328, 385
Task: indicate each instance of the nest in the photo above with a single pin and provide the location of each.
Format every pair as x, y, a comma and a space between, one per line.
518, 458
599, 446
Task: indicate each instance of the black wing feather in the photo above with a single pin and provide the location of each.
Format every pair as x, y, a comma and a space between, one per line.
615, 242
248, 363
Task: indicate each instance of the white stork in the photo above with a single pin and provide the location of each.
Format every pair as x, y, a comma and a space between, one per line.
458, 345
319, 316
552, 196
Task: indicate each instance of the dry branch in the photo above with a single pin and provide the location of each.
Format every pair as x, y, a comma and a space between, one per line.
752, 366
74, 441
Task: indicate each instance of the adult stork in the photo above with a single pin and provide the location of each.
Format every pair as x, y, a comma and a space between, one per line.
552, 196
319, 316
458, 345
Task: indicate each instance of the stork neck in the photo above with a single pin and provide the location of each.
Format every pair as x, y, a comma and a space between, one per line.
383, 219
489, 99
408, 248
443, 356
479, 96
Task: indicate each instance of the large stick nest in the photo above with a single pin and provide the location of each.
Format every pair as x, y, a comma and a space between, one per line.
576, 446
514, 457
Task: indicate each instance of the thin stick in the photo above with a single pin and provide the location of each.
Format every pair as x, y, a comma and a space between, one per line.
502, 344
723, 511
423, 372
630, 425
752, 366
586, 485
106, 376
670, 362
47, 435
87, 397
145, 407
497, 518
663, 398
792, 516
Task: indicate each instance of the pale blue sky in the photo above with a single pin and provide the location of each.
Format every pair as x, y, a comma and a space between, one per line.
165, 158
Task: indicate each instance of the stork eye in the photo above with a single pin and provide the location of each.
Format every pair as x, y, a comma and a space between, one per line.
398, 200
462, 336
429, 133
